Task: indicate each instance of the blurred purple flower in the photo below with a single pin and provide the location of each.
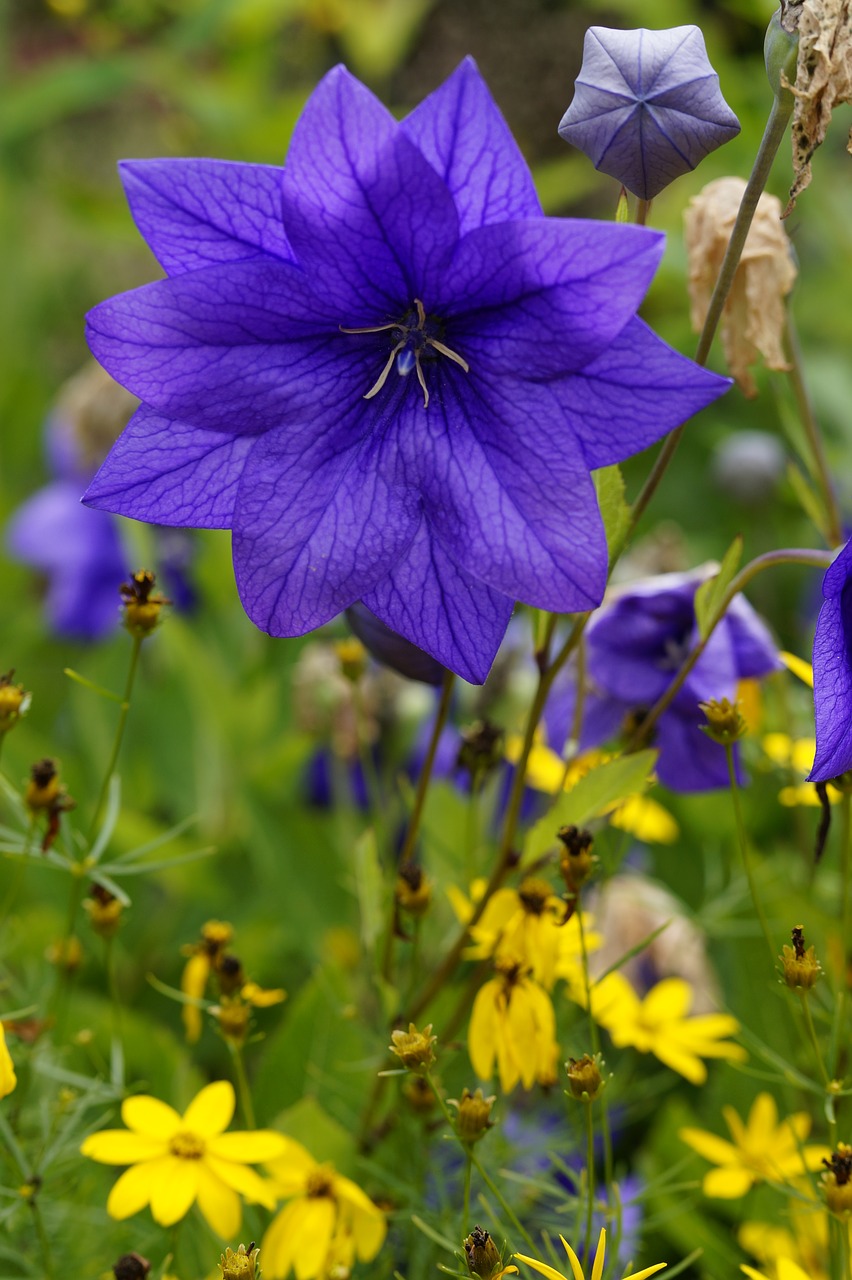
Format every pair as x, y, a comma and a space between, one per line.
833, 672
647, 106
387, 372
634, 647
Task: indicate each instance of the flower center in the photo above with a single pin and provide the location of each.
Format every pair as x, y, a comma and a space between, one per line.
319, 1184
186, 1146
416, 337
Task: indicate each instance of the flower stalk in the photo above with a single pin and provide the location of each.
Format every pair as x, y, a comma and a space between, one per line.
742, 840
119, 732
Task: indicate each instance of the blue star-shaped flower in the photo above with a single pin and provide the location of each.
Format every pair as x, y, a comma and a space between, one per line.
647, 106
387, 372
833, 672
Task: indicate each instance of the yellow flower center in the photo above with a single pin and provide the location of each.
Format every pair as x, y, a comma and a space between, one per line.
186, 1146
320, 1184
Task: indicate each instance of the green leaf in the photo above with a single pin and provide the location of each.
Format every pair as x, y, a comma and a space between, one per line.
599, 790
609, 483
370, 886
709, 596
807, 498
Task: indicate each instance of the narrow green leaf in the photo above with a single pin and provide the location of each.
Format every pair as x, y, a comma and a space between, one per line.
599, 790
90, 685
709, 596
368, 878
615, 512
807, 498
113, 805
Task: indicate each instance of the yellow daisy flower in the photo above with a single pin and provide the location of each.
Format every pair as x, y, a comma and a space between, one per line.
660, 1023
797, 756
761, 1149
8, 1079
787, 1270
805, 1241
576, 1267
176, 1160
512, 1022
328, 1223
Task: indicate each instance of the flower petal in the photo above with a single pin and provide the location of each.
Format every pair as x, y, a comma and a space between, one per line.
633, 394
197, 213
600, 1256
120, 1146
174, 1192
833, 673
239, 1177
250, 1147
134, 1188
717, 1150
484, 1029
550, 1273
317, 528
367, 215
279, 1243
668, 1001
167, 472
314, 1231
728, 1183
461, 132
219, 1204
150, 1116
544, 297
436, 605
211, 1110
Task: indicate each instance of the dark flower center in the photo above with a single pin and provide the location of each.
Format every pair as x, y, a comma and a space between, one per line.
416, 337
186, 1146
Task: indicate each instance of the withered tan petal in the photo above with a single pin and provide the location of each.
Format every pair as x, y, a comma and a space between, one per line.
823, 79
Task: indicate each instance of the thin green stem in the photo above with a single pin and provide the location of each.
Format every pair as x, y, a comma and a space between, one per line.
776, 127
43, 1242
744, 853
837, 1036
115, 1000
590, 1177
243, 1091
426, 772
796, 373
643, 208
119, 734
596, 1045
468, 1164
812, 1037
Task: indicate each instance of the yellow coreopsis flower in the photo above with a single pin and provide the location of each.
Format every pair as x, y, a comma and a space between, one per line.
513, 1024
786, 1270
796, 755
804, 1242
178, 1160
8, 1079
576, 1266
762, 1150
660, 1024
328, 1223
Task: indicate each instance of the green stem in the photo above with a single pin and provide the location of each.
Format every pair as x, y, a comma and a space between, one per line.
744, 853
426, 772
119, 734
837, 1037
596, 1046
115, 1000
468, 1164
769, 560
643, 208
43, 1242
812, 1036
590, 1177
243, 1090
776, 127
834, 523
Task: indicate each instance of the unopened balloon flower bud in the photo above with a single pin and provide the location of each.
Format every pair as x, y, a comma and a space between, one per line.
142, 606
413, 890
241, 1265
104, 911
474, 1115
131, 1266
836, 1181
585, 1081
14, 702
800, 968
781, 48
414, 1048
725, 724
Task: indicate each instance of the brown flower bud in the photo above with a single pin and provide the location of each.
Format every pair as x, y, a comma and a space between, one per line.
141, 606
229, 973
419, 1095
131, 1266
104, 911
837, 1181
725, 724
481, 750
483, 1256
577, 862
474, 1115
43, 786
414, 1048
800, 968
413, 891
584, 1078
233, 1016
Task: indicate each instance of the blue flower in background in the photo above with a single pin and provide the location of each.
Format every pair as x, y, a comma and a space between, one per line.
634, 648
647, 106
387, 372
833, 672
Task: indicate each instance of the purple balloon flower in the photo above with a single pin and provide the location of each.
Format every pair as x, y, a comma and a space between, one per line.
635, 647
647, 106
387, 372
833, 672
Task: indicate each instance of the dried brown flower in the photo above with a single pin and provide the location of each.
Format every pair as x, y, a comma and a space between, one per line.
823, 78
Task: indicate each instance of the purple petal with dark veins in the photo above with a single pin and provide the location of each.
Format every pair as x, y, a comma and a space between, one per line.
168, 472
461, 132
237, 348
317, 527
637, 391
833, 672
520, 516
545, 296
367, 215
199, 213
435, 604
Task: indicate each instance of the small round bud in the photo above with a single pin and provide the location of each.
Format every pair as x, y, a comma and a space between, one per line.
837, 1181
14, 702
414, 1048
241, 1265
419, 1095
43, 787
725, 724
781, 48
413, 891
104, 911
131, 1266
215, 936
233, 1015
352, 657
474, 1115
229, 973
481, 750
584, 1078
483, 1256
577, 862
141, 606
800, 968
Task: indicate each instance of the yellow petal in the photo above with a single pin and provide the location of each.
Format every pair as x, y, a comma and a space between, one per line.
122, 1146
249, 1147
193, 983
798, 667
754, 1275
8, 1079
369, 1231
277, 1245
576, 1269
147, 1115
350, 1193
174, 1192
649, 1271
728, 1184
714, 1149
239, 1177
600, 1254
133, 1190
483, 1030
645, 819
789, 1270
542, 1268
219, 1204
211, 1110
762, 1121
315, 1230
680, 1059
291, 1169
263, 998
667, 1001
